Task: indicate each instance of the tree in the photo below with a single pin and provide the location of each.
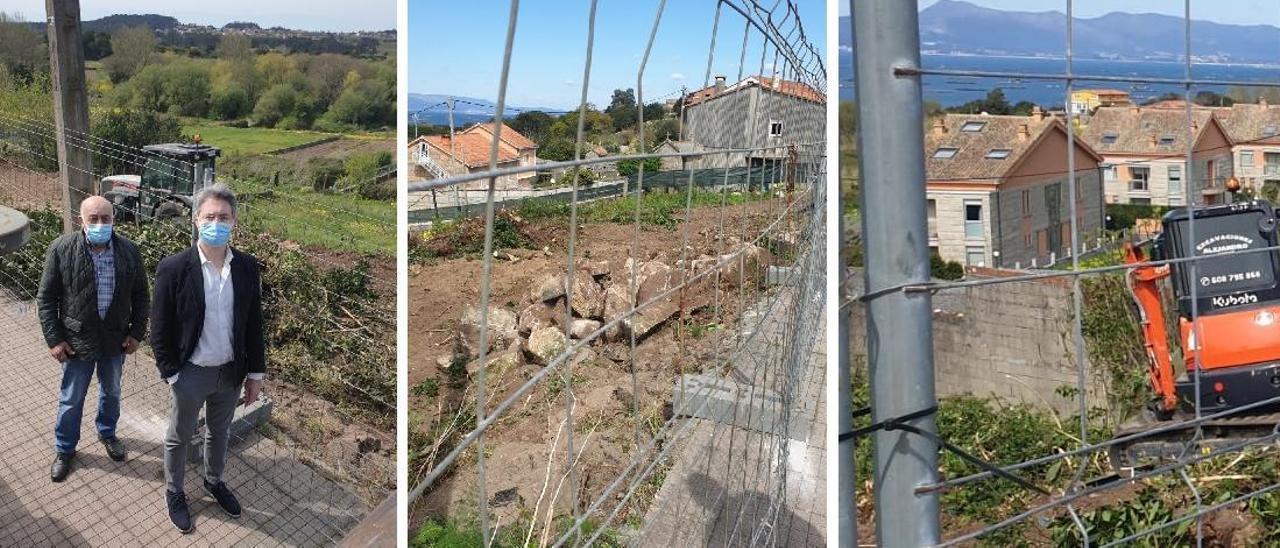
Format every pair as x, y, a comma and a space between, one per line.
533, 124
132, 128
631, 166
275, 105
557, 149
186, 89
230, 102
622, 108
235, 48
655, 111
97, 45
131, 51
1213, 99
21, 50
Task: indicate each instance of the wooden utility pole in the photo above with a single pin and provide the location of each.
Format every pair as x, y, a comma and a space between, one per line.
70, 106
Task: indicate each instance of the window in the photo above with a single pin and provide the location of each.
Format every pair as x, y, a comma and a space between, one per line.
1175, 180
1109, 138
1026, 203
975, 256
1109, 172
998, 153
1246, 158
775, 128
1140, 201
933, 219
973, 127
1166, 140
945, 153
1138, 179
972, 219
1026, 239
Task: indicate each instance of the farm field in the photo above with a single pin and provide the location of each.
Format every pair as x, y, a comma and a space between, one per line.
234, 140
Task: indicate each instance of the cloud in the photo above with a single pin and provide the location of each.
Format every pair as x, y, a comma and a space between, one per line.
677, 76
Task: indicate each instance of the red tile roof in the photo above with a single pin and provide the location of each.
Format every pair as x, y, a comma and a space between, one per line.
509, 136
472, 148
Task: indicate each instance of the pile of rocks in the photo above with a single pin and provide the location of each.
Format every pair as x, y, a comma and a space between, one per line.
600, 294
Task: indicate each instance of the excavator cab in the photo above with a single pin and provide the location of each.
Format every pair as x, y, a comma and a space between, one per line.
1233, 346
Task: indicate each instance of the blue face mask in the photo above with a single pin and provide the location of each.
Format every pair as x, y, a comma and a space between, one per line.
215, 234
98, 234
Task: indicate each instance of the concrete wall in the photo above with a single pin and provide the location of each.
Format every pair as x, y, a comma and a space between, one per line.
1007, 341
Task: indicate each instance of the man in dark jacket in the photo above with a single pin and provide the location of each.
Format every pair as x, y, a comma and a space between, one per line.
93, 311
208, 341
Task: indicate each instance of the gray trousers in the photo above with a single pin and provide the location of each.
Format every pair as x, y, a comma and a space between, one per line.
215, 390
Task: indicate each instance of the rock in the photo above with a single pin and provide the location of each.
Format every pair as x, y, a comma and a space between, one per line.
597, 269
443, 362
584, 356
588, 297
499, 361
544, 344
582, 328
538, 315
549, 288
616, 303
502, 329
653, 278
649, 318
748, 267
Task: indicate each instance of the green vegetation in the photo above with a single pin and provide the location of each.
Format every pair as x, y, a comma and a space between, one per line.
457, 534
1122, 216
316, 219
236, 140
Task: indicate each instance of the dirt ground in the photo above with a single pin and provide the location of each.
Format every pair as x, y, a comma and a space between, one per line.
520, 479
24, 189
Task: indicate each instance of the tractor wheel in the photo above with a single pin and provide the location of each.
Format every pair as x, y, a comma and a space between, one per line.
125, 210
170, 211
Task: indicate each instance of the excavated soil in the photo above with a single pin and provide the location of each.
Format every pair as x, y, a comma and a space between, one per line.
520, 480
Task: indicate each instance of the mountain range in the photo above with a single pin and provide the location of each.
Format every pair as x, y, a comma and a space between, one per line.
959, 27
430, 109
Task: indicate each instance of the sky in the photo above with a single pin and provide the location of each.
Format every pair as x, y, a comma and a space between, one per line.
550, 48
1236, 12
318, 15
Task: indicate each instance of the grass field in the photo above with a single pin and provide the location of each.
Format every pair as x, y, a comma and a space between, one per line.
234, 140
342, 222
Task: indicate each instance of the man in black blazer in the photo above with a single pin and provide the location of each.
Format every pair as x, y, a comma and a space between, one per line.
207, 337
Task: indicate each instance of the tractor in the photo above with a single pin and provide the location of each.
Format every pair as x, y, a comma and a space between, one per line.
171, 174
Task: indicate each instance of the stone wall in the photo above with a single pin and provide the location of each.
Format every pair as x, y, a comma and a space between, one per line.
1011, 341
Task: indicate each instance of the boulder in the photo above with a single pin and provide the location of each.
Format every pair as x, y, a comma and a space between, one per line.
653, 278
588, 297
548, 288
544, 344
502, 329
616, 303
499, 361
582, 328
540, 314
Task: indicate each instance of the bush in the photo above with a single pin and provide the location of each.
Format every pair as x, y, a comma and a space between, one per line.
230, 102
1122, 216
323, 173
631, 166
945, 270
586, 177
133, 128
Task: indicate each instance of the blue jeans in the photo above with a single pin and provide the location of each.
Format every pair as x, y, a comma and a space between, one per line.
76, 375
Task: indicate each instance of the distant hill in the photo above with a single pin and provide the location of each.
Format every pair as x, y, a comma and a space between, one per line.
466, 110
959, 27
112, 23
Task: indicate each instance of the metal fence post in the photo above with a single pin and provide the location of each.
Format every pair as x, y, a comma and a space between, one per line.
895, 239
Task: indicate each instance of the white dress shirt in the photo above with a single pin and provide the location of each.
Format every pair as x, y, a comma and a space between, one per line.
214, 348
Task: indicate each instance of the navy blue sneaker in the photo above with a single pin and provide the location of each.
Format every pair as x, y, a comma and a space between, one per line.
225, 498
179, 512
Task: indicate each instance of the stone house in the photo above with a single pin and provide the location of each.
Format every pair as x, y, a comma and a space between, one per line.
1144, 153
438, 156
758, 112
997, 189
675, 147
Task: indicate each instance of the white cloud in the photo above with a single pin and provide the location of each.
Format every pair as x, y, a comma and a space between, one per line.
677, 76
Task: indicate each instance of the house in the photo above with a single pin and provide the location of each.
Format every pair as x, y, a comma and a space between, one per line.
722, 117
468, 151
1144, 153
1084, 101
598, 151
676, 147
997, 189
1254, 130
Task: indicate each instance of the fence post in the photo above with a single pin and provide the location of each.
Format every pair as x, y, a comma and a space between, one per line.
70, 105
894, 233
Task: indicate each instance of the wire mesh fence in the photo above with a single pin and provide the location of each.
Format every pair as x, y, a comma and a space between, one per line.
1095, 423
643, 364
307, 464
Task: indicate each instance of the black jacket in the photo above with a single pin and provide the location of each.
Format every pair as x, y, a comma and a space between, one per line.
177, 313
68, 298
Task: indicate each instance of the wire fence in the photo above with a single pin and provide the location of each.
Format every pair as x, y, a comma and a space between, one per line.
1043, 479
654, 376
307, 464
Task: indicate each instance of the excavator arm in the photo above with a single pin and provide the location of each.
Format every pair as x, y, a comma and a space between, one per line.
1143, 278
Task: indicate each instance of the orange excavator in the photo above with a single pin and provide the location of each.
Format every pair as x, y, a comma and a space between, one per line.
1232, 347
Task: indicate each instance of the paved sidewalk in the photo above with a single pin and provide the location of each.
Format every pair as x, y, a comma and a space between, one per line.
107, 503
736, 486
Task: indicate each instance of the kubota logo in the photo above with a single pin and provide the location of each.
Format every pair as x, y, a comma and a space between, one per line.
1234, 300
